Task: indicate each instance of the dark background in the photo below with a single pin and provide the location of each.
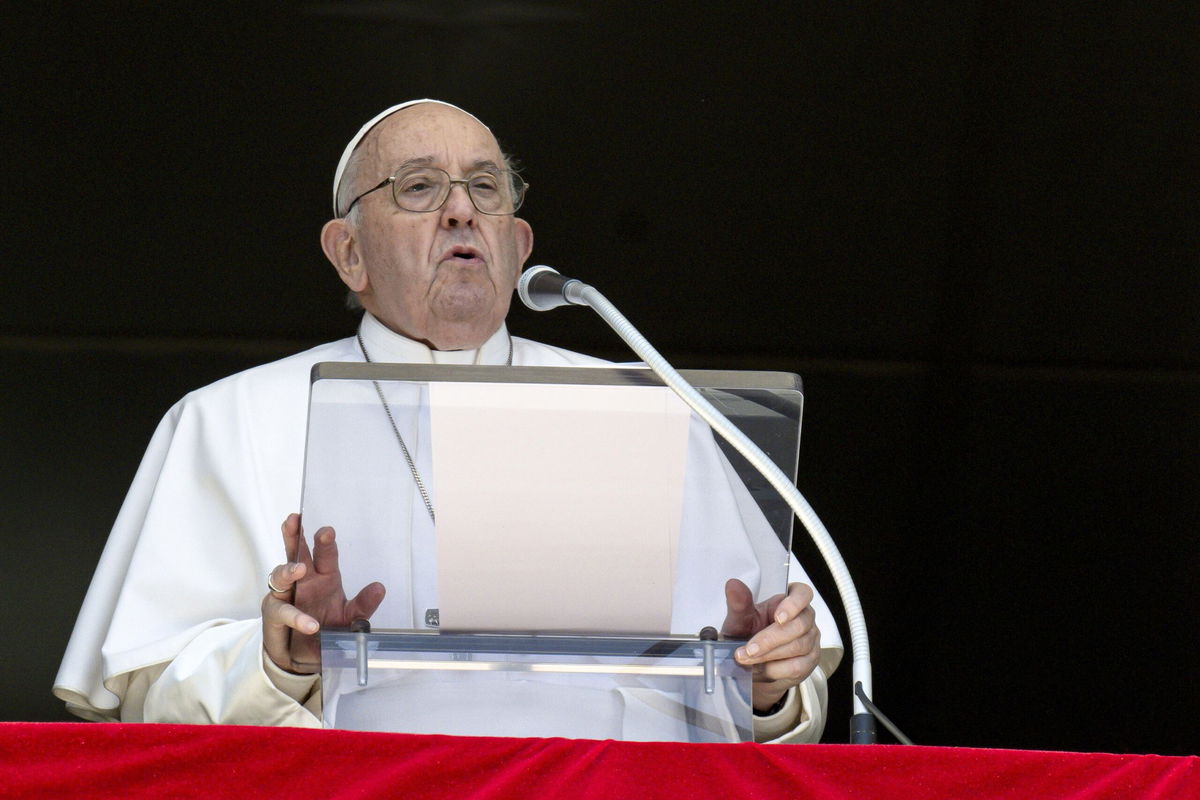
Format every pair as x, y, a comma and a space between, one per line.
971, 228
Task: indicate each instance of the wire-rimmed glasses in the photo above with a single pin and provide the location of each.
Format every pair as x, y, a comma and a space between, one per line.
425, 189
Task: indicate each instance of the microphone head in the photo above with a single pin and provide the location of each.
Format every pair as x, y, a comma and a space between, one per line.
541, 288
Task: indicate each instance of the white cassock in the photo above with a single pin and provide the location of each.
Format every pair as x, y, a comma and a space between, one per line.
171, 628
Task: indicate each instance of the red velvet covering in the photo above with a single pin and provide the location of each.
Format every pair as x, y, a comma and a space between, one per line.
40, 760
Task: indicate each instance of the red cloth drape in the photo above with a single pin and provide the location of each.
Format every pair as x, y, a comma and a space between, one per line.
40, 760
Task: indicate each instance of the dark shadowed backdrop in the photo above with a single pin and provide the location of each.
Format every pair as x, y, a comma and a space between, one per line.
971, 230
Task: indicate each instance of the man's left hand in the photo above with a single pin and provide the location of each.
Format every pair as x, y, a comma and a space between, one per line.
784, 643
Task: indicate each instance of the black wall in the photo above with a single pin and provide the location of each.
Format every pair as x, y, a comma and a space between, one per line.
971, 230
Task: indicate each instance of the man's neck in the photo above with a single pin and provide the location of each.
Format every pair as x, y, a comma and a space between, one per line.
384, 343
447, 338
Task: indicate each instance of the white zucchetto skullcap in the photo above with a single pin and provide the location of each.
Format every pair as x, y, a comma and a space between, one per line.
365, 129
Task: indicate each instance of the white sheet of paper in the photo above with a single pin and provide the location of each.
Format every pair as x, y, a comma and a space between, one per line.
558, 506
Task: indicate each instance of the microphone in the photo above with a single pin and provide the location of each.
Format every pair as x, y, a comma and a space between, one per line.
543, 288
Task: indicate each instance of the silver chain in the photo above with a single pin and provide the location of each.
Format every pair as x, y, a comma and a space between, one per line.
412, 465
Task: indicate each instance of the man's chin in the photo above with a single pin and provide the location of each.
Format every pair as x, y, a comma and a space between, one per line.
466, 307
464, 327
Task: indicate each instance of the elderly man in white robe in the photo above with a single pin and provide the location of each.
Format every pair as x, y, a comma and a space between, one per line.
175, 626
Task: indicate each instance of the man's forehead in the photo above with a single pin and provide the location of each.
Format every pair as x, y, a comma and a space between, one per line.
431, 132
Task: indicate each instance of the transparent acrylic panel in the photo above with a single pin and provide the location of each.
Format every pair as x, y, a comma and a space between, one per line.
567, 525
496, 685
729, 523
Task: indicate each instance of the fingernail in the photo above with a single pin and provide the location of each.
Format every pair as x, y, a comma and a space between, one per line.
752, 649
310, 627
781, 617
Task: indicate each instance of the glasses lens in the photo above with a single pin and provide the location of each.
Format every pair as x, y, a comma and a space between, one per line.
496, 192
426, 189
517, 186
421, 189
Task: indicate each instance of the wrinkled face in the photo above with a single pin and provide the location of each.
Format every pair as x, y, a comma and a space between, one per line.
444, 277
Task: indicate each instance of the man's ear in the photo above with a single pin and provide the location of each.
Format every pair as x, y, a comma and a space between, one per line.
524, 236
341, 248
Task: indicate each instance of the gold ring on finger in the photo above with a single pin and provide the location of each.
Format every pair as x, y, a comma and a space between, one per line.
271, 586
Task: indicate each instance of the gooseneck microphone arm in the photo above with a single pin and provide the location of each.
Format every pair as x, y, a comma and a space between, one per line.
543, 288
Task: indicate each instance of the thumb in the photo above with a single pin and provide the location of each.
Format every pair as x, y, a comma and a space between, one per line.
365, 602
740, 611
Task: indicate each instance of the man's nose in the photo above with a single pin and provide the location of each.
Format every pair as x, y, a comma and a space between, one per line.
458, 210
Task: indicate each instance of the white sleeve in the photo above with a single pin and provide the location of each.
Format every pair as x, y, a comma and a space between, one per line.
802, 718
184, 571
220, 677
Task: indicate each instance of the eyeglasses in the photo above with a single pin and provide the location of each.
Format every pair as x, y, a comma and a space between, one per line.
425, 189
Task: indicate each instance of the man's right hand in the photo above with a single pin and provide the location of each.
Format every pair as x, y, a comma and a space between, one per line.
310, 596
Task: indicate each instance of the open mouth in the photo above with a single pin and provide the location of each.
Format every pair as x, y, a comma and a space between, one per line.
461, 253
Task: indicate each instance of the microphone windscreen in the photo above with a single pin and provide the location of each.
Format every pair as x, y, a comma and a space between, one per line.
541, 288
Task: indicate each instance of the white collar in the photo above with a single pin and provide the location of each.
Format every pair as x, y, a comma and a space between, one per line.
387, 346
